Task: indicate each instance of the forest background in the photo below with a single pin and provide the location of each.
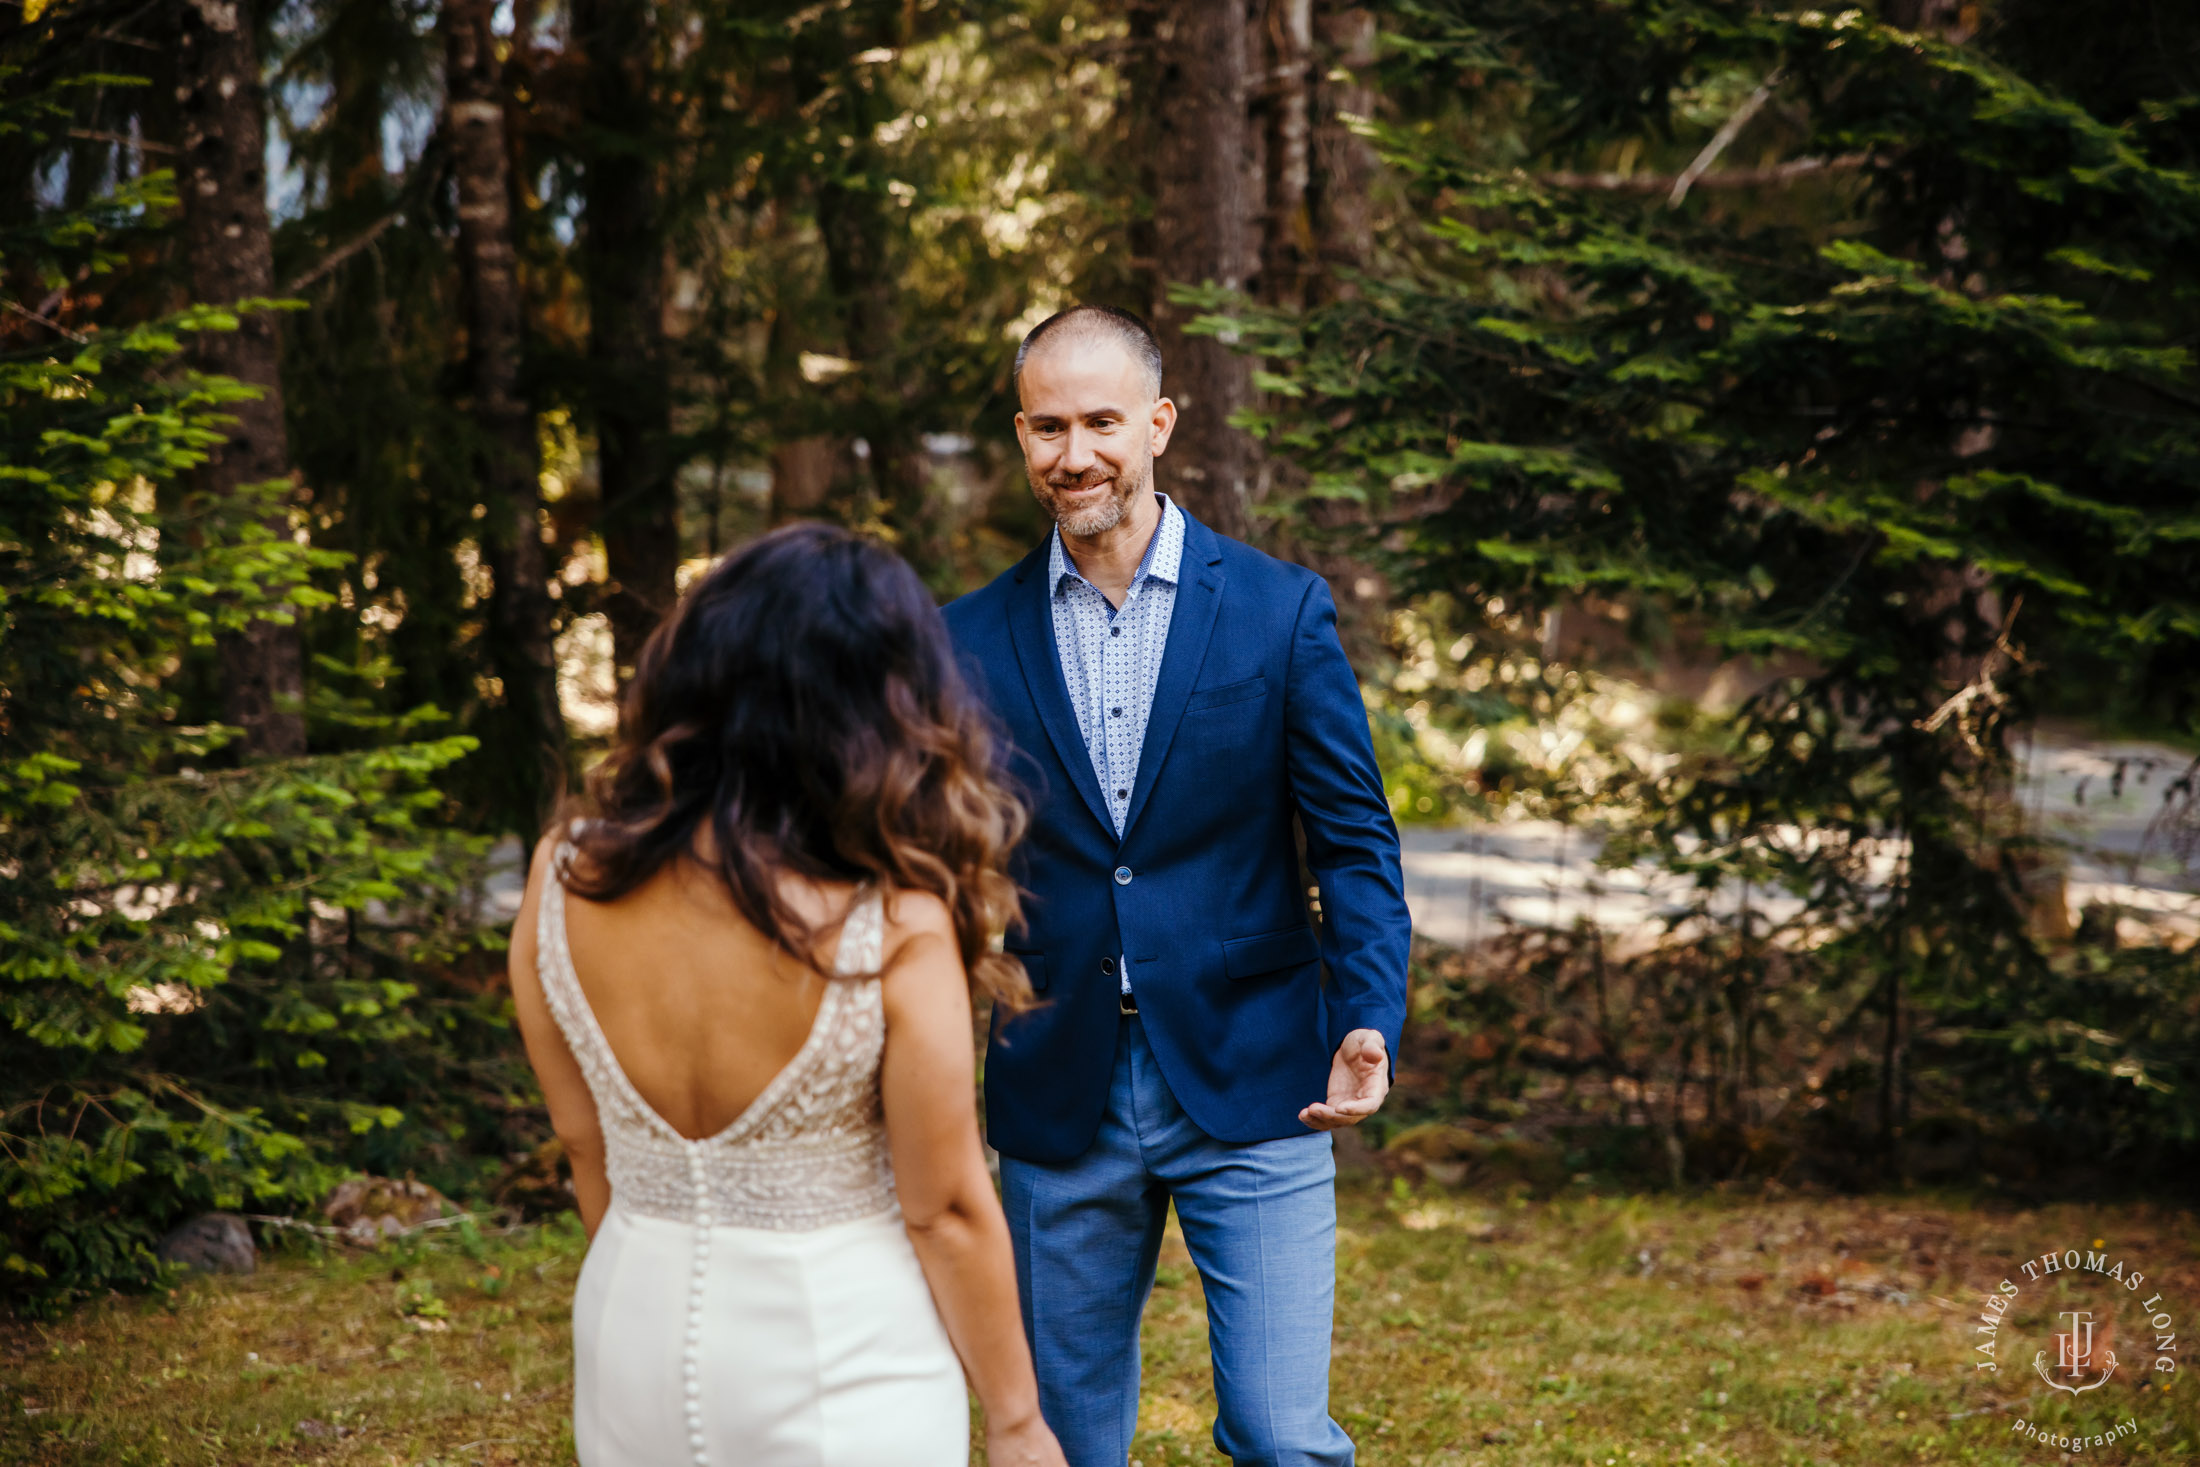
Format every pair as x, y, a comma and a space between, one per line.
374, 372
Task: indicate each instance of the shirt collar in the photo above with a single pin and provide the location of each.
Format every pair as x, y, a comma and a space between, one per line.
1163, 559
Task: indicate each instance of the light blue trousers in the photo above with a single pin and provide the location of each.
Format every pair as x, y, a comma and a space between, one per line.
1261, 1223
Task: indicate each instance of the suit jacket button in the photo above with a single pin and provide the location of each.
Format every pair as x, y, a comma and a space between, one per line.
1122, 876
1107, 965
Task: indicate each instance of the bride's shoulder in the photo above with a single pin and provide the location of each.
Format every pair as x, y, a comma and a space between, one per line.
913, 920
557, 851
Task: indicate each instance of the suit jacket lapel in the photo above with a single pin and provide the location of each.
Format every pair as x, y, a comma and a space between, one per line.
1191, 626
1031, 628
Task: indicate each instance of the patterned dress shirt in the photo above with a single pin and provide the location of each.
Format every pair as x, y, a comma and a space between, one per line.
1111, 658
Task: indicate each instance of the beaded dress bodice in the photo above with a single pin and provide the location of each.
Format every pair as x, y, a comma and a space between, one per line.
810, 1150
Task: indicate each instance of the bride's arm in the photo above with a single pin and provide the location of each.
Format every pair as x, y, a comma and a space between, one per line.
564, 1088
947, 1198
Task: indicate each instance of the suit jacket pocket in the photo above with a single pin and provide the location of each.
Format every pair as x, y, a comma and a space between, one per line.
1253, 687
1035, 968
1249, 957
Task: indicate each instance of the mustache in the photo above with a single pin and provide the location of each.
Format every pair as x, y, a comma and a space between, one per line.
1086, 480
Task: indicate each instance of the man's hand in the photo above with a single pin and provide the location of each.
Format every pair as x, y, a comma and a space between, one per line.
1359, 1078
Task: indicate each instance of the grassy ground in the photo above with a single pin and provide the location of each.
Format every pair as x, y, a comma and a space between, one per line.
1582, 1330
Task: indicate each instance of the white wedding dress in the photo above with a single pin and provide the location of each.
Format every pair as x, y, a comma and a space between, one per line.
751, 1299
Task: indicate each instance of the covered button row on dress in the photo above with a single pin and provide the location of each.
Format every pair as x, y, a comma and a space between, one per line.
700, 1177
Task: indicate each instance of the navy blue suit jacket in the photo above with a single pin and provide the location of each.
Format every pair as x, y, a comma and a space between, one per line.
1256, 718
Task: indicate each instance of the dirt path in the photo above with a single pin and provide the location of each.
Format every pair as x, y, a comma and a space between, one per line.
2098, 800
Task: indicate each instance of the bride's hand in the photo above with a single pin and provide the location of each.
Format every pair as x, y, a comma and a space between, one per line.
1026, 1443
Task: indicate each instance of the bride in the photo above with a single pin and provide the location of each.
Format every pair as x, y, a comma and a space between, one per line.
753, 1030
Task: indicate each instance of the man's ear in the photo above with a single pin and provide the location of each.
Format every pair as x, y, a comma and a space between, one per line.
1164, 423
1020, 428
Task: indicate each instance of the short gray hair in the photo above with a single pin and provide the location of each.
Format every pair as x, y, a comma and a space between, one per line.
1104, 322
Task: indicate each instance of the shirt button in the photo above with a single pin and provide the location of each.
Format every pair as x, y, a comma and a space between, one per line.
1115, 631
1122, 876
1115, 713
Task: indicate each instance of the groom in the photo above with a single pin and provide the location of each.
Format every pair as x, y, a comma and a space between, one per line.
1179, 708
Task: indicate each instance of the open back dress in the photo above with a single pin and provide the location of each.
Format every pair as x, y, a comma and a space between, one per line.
751, 1297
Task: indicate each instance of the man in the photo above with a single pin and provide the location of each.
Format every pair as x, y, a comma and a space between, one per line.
1174, 702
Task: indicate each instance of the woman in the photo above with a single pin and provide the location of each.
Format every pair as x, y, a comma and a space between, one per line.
753, 1031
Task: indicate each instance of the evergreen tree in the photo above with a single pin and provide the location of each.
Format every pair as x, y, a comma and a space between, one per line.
1904, 398
218, 976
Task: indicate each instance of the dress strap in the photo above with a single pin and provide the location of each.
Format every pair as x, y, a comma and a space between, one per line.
576, 1018
554, 967
862, 950
553, 958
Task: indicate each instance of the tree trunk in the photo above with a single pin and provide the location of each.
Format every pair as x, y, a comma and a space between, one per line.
1204, 202
1287, 240
855, 231
506, 456
1339, 171
228, 256
1343, 163
804, 471
623, 266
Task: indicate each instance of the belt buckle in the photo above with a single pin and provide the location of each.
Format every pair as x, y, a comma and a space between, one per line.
1126, 1004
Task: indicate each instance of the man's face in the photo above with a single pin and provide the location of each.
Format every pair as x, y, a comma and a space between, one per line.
1091, 427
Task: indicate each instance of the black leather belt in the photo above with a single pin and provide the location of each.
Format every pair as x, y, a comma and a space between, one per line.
1126, 1004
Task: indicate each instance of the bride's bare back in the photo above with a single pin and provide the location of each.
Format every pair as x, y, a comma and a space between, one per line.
698, 1008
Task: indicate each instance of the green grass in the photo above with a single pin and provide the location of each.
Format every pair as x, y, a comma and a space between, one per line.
1471, 1329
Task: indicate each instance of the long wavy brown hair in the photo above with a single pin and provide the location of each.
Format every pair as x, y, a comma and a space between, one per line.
803, 702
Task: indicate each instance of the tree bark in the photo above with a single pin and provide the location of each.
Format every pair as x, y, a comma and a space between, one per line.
1204, 232
804, 471
1340, 169
855, 229
507, 460
1287, 240
623, 267
1343, 163
228, 256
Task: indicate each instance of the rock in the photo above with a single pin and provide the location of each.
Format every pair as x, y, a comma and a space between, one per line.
537, 1185
212, 1242
1453, 1156
1417, 1146
371, 1209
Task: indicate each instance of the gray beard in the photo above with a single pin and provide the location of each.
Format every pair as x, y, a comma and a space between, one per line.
1103, 517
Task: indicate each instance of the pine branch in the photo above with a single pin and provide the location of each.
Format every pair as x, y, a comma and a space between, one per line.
336, 257
1666, 183
46, 321
1728, 131
94, 135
